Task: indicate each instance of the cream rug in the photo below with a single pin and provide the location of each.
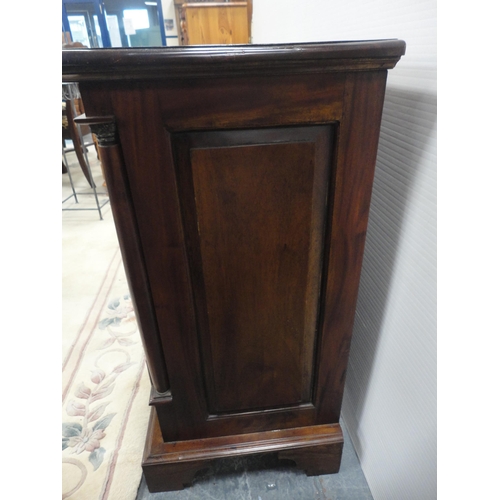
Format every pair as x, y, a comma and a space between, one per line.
105, 384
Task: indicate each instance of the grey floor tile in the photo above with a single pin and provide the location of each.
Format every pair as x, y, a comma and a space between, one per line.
265, 478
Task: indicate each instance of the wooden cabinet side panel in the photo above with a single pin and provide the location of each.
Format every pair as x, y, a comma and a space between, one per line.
253, 204
143, 116
358, 140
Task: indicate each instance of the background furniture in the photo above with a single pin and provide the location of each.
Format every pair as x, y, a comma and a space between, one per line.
72, 111
240, 181
205, 23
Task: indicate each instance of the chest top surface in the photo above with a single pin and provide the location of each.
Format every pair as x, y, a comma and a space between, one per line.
221, 60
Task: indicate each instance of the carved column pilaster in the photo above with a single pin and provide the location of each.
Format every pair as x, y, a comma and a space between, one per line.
106, 133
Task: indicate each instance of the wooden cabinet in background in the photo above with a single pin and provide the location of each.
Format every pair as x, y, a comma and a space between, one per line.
240, 182
213, 23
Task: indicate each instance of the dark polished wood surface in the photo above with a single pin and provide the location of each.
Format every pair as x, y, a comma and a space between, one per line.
316, 449
256, 292
242, 177
229, 60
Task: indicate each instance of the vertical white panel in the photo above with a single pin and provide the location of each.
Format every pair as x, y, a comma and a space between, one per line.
390, 398
168, 9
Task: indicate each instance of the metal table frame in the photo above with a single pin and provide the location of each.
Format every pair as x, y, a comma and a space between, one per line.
70, 92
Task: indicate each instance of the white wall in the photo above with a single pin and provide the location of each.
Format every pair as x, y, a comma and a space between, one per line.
168, 9
390, 398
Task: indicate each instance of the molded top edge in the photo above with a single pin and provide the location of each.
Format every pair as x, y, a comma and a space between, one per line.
204, 60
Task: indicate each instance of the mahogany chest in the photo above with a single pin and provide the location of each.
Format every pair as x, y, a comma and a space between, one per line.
240, 181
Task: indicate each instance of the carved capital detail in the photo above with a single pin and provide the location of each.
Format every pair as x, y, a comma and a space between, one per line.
159, 398
106, 133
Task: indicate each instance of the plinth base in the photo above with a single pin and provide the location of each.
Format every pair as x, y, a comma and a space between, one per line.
172, 466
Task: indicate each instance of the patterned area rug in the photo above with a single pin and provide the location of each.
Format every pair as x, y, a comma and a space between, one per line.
105, 398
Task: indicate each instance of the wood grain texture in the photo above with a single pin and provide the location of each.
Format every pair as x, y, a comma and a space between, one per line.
172, 466
255, 279
180, 13
133, 259
250, 102
254, 209
164, 238
316, 460
357, 152
216, 23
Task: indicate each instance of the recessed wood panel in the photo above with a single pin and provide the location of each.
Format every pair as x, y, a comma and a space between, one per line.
256, 225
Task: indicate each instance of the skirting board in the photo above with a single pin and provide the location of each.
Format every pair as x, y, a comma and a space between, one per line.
172, 466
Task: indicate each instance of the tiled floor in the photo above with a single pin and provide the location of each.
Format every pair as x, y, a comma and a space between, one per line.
262, 478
